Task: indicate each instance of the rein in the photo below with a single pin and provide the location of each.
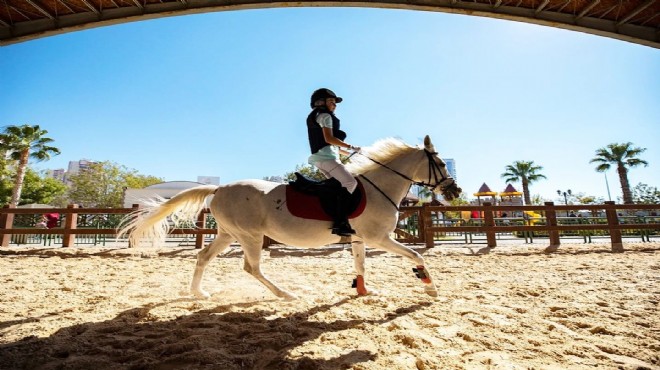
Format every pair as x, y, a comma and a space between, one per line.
434, 168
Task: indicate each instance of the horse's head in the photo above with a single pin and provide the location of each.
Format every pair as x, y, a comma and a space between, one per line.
436, 175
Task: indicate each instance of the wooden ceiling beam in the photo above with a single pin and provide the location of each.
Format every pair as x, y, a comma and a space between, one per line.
65, 5
563, 6
608, 11
540, 8
90, 6
650, 19
19, 12
588, 8
636, 11
40, 9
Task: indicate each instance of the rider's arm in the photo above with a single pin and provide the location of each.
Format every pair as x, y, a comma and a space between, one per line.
332, 140
325, 121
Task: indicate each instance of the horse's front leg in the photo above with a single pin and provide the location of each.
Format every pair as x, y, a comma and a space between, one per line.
358, 259
420, 269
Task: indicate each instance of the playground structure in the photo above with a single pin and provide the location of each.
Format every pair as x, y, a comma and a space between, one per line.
508, 197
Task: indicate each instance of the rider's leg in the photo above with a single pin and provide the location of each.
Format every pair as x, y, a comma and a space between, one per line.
341, 225
337, 171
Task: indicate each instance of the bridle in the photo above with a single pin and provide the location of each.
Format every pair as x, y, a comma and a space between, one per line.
435, 173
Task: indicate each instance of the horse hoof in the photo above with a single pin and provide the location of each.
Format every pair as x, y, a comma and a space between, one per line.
432, 291
288, 296
370, 292
201, 294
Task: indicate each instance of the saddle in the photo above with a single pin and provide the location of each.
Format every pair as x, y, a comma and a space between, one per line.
317, 200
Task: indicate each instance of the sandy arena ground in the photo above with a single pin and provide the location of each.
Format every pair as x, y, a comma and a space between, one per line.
514, 308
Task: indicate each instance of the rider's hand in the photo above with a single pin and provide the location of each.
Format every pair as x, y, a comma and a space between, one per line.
356, 148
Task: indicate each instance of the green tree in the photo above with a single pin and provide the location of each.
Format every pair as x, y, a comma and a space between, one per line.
41, 189
458, 201
102, 184
136, 181
5, 190
5, 162
425, 193
525, 172
582, 198
22, 143
644, 194
307, 170
623, 156
537, 200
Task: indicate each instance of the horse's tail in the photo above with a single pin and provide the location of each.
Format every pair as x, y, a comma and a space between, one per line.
151, 223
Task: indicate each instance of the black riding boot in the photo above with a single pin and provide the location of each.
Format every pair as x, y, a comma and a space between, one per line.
341, 226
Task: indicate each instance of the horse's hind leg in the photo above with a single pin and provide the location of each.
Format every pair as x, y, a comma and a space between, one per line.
420, 270
252, 264
205, 256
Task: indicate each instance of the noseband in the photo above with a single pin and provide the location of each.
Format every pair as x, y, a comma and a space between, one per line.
435, 169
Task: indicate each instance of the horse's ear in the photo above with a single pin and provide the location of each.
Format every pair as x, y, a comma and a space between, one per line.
427, 143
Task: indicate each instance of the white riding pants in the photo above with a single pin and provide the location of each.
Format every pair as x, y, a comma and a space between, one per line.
334, 169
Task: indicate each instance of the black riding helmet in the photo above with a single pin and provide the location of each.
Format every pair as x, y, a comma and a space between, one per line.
322, 94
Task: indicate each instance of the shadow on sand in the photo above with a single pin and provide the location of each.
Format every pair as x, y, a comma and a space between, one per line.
215, 339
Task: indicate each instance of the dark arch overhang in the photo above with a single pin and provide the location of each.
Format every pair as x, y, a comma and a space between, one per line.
636, 21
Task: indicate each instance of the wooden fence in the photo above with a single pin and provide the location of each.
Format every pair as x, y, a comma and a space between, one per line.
72, 227
417, 225
615, 218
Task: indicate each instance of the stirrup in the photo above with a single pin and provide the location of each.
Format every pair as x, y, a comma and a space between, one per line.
343, 229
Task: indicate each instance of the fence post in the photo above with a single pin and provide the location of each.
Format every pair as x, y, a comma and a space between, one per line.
427, 221
70, 223
551, 220
613, 219
489, 221
201, 224
421, 232
6, 223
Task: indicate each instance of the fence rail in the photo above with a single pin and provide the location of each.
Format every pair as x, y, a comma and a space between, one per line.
546, 222
419, 225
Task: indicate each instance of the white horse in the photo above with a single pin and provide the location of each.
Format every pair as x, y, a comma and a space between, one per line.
246, 211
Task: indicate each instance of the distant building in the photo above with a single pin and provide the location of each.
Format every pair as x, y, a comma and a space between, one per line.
277, 179
58, 174
76, 166
451, 167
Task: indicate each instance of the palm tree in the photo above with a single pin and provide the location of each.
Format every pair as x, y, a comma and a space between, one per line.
523, 171
623, 156
22, 143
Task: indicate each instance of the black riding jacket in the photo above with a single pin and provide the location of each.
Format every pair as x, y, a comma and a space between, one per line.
315, 131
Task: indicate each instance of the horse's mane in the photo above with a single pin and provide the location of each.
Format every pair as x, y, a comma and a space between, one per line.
383, 151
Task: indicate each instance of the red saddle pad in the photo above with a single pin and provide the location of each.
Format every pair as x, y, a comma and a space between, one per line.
308, 206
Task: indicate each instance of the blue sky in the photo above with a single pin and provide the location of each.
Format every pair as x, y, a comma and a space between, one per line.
226, 94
